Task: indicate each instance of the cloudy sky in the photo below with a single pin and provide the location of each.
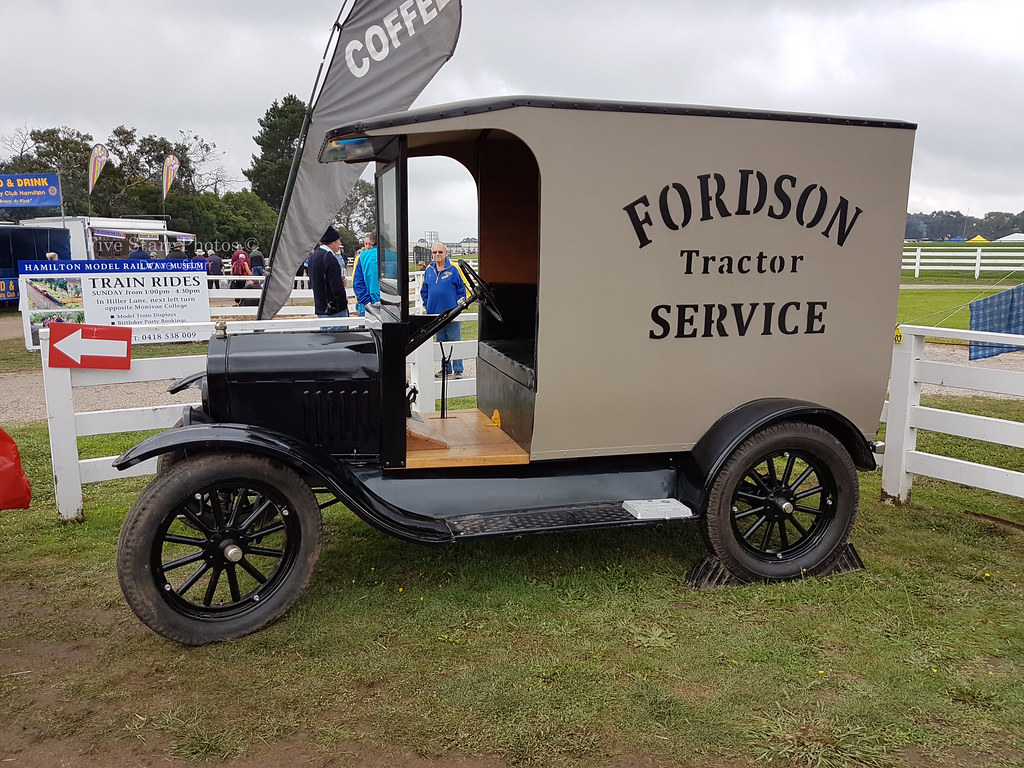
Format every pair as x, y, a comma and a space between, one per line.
955, 67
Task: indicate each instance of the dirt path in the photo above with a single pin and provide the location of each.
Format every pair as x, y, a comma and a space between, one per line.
21, 393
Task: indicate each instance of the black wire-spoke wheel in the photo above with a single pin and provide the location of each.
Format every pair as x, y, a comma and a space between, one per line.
783, 504
218, 547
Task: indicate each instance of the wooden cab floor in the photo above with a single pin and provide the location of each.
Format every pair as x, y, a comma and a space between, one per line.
466, 438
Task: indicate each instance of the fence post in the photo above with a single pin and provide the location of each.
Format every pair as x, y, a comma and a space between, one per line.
977, 265
917, 263
60, 420
422, 360
900, 437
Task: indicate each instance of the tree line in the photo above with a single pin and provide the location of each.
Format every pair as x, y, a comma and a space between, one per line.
200, 200
948, 225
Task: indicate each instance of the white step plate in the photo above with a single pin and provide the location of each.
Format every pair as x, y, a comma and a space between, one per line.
657, 509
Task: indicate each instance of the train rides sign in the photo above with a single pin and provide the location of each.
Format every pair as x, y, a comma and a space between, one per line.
126, 293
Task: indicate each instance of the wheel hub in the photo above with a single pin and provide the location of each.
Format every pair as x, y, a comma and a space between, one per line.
231, 551
779, 505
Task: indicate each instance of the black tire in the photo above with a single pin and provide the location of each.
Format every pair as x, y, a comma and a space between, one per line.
167, 460
218, 547
783, 504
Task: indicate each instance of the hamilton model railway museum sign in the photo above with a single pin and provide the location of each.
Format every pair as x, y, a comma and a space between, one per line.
116, 292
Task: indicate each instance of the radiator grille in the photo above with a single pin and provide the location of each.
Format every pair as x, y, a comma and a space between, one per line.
339, 419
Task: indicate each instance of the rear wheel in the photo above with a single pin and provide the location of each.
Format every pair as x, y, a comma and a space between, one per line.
783, 504
218, 547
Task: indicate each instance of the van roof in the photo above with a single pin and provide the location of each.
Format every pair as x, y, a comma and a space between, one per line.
496, 104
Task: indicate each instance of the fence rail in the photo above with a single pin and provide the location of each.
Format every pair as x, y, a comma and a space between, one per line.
976, 260
242, 291
904, 416
67, 425
903, 412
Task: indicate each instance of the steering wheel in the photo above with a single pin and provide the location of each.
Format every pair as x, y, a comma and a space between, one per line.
481, 290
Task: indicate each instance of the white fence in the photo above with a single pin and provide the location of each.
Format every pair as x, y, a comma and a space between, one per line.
975, 260
67, 425
905, 415
231, 288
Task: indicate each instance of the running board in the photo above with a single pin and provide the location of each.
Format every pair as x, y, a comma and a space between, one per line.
606, 514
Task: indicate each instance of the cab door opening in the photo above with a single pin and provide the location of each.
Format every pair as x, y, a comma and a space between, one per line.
508, 190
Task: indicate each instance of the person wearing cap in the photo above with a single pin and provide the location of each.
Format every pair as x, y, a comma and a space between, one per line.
326, 277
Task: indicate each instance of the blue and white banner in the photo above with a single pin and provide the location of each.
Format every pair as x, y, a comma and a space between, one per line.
29, 190
1002, 312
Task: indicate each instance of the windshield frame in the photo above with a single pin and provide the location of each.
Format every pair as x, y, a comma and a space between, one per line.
392, 200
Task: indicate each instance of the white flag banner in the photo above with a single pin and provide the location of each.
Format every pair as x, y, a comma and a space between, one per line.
386, 53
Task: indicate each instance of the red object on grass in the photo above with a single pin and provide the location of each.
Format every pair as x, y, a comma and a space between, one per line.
15, 491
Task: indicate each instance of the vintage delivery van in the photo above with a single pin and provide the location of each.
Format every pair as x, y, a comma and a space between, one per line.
689, 313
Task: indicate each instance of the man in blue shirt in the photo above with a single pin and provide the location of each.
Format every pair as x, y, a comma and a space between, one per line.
365, 278
443, 286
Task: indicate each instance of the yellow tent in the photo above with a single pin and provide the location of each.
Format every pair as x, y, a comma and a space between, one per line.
977, 239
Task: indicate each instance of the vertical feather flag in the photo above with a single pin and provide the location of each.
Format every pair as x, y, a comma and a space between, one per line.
372, 70
97, 160
171, 165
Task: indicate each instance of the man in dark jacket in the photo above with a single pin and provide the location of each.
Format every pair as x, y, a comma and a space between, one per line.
326, 277
257, 261
215, 266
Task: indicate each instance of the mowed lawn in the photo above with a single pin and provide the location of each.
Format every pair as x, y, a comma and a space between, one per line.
940, 307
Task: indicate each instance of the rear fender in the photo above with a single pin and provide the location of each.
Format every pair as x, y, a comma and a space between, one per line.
718, 443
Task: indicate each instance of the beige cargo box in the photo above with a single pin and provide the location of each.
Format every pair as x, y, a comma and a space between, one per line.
660, 265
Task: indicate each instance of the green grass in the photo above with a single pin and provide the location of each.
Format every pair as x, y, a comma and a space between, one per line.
565, 650
963, 279
940, 308
14, 357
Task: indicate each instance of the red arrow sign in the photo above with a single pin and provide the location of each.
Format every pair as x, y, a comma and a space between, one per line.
90, 346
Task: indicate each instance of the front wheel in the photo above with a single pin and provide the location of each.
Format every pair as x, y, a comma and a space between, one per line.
219, 546
783, 504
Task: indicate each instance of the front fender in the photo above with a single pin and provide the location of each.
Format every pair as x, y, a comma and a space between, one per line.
337, 477
231, 437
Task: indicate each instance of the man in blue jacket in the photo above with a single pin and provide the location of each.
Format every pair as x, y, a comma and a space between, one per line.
442, 288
